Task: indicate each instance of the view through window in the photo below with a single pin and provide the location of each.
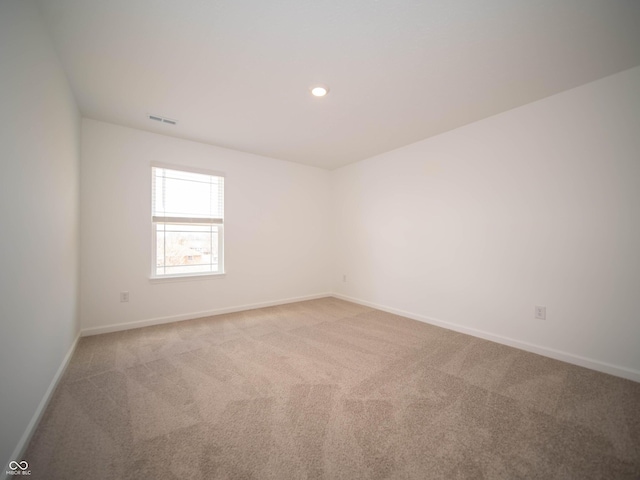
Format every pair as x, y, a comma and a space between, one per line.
188, 221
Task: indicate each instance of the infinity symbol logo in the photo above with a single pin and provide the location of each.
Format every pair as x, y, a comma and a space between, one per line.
23, 465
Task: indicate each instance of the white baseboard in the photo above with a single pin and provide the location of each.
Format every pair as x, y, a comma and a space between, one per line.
18, 452
116, 327
590, 363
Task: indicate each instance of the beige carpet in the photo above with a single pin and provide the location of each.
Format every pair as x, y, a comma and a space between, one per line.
329, 389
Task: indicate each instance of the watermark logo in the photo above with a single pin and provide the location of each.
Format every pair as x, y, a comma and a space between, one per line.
18, 468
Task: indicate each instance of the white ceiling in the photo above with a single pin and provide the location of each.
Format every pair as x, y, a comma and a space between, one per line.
236, 73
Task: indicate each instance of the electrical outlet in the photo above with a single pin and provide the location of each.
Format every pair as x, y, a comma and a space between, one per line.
541, 313
344, 278
124, 296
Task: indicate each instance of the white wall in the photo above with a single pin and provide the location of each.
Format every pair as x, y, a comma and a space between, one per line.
39, 160
536, 206
276, 239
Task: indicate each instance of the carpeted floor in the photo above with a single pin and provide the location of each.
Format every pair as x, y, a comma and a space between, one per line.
329, 389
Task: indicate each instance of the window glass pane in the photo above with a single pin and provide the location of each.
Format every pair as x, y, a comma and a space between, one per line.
186, 249
159, 247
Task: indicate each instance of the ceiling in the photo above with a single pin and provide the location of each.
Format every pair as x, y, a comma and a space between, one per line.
237, 73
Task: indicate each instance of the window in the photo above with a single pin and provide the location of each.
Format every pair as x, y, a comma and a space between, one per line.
188, 222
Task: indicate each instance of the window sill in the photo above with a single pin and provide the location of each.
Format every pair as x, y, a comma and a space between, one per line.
185, 278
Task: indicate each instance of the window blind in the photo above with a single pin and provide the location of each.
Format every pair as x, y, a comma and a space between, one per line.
188, 197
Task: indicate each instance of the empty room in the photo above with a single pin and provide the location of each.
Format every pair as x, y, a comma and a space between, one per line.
360, 239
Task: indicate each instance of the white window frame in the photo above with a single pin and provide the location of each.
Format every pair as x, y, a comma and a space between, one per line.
178, 220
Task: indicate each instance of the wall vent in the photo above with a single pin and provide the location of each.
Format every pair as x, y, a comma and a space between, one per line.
158, 118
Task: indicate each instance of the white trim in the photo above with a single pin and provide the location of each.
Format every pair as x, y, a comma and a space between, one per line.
185, 277
156, 220
19, 451
116, 327
221, 269
590, 363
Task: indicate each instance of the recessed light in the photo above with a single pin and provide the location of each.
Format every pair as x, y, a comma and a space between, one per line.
319, 90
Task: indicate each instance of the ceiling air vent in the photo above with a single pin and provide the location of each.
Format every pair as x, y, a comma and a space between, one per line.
158, 118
